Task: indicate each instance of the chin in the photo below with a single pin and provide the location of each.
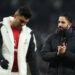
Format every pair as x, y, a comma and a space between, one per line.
60, 28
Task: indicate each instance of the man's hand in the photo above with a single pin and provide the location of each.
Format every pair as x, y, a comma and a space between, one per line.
4, 63
61, 49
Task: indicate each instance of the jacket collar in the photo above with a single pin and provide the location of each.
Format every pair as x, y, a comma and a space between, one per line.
68, 33
6, 23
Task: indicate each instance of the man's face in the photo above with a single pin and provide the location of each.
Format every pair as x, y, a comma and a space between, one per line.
20, 21
63, 23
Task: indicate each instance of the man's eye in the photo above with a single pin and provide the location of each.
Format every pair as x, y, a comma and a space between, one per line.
63, 22
21, 21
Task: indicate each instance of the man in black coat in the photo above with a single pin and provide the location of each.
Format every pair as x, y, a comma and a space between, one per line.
59, 48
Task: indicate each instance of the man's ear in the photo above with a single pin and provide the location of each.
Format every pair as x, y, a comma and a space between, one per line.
27, 20
70, 24
14, 15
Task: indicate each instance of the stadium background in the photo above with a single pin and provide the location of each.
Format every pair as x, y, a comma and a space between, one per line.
44, 18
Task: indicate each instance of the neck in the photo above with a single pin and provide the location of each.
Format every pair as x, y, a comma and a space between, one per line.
12, 23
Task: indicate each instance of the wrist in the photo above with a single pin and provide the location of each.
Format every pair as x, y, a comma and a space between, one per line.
58, 53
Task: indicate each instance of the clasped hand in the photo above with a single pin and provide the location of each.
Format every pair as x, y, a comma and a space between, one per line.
61, 49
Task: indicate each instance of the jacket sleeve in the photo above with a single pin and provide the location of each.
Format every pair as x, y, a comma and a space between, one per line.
69, 56
46, 53
32, 57
1, 41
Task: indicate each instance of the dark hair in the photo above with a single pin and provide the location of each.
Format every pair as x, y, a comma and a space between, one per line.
67, 15
25, 11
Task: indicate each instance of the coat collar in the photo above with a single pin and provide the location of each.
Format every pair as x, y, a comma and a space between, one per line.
68, 32
6, 23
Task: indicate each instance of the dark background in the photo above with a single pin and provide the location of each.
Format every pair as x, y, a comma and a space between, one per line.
44, 18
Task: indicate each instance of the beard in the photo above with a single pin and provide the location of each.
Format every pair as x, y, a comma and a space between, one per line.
18, 26
62, 34
62, 31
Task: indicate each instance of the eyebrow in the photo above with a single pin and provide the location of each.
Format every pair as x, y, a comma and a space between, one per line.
61, 21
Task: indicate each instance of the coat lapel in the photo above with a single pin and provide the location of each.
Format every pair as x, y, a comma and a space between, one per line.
6, 23
10, 33
22, 50
7, 27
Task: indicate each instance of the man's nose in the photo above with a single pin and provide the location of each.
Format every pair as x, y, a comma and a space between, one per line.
59, 24
22, 24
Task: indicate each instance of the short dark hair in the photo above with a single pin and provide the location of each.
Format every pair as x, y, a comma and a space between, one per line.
67, 15
25, 11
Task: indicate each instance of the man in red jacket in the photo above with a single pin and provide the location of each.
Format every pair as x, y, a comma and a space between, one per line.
18, 45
